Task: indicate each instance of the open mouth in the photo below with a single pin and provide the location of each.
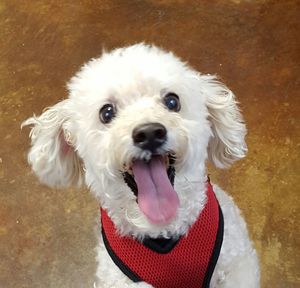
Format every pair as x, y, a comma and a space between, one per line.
152, 182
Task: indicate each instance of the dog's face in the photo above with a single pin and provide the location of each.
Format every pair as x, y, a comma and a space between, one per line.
139, 125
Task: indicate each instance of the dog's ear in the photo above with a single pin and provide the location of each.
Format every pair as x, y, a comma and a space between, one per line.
227, 143
52, 155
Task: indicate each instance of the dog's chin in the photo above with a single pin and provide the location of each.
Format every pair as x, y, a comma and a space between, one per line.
152, 182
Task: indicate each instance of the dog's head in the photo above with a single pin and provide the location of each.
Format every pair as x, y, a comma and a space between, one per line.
138, 126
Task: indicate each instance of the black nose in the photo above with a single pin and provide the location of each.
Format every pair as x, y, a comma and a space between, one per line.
149, 136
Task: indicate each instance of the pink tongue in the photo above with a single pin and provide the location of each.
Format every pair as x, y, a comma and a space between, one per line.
156, 196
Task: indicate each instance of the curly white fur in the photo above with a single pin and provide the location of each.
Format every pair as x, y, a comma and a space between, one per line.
52, 155
69, 143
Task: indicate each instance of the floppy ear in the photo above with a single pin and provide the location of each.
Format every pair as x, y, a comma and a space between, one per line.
227, 143
52, 154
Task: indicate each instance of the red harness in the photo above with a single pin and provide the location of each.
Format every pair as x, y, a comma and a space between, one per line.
167, 263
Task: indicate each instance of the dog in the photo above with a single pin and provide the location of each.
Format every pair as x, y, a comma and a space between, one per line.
137, 129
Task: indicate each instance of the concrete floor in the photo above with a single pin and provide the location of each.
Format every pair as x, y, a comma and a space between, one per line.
47, 237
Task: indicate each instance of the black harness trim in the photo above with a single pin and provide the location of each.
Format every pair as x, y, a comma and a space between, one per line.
161, 245
216, 251
123, 267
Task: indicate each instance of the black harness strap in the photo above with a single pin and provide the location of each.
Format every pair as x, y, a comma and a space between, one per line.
216, 252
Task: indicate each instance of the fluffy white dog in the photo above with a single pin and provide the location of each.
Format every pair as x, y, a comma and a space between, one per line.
138, 127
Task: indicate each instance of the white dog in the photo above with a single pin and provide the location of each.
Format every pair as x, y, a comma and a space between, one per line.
137, 127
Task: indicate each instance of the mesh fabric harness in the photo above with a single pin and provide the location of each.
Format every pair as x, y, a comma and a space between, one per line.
187, 262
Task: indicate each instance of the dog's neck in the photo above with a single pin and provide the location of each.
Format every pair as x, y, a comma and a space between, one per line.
131, 222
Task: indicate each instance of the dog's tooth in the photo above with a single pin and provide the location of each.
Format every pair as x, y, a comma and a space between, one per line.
127, 169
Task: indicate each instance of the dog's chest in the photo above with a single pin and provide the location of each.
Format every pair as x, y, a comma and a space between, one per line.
186, 262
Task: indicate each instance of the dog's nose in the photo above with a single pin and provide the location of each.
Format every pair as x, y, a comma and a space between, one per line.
149, 136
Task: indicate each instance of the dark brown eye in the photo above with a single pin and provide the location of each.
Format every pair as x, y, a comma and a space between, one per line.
107, 113
171, 101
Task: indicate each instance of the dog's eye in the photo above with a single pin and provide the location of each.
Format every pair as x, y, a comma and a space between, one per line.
107, 113
171, 100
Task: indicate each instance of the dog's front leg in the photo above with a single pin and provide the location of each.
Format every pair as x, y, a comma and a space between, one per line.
138, 285
121, 284
109, 275
101, 284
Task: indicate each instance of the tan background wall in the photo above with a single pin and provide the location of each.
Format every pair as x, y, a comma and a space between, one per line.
47, 237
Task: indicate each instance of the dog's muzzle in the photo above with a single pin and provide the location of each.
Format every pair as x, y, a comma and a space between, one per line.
151, 178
